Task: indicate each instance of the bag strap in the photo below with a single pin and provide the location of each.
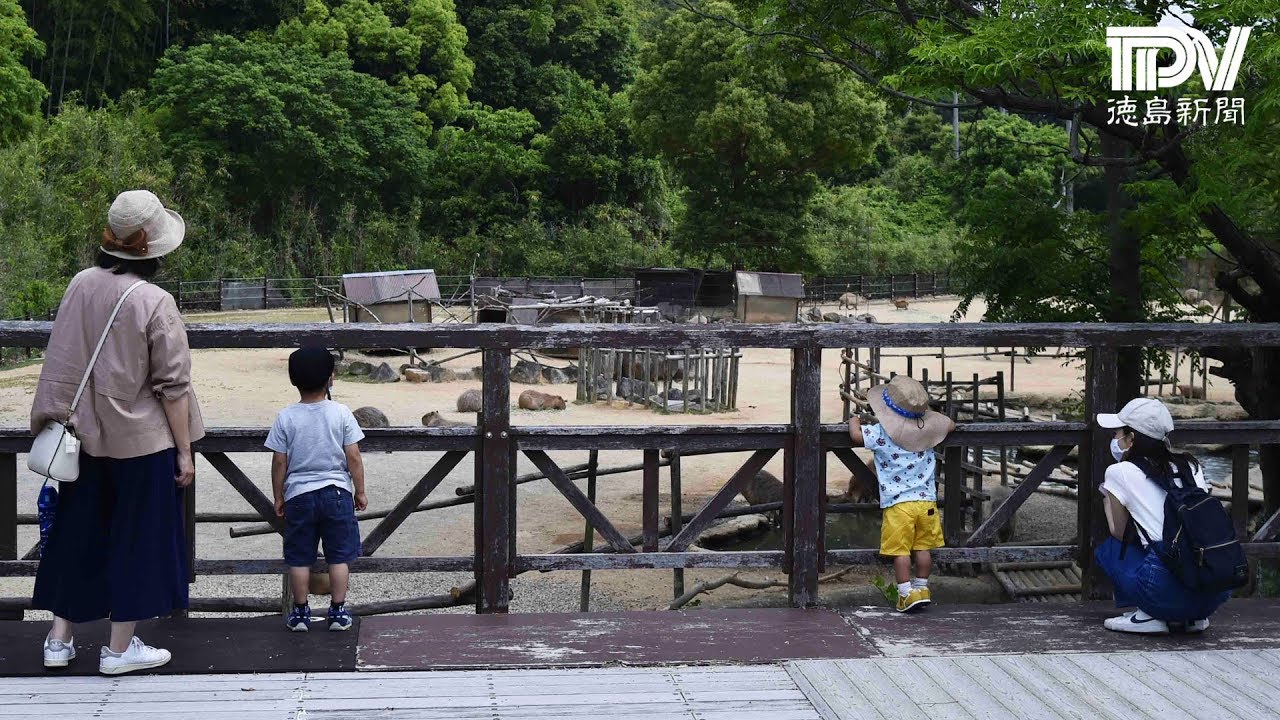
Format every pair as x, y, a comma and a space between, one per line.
93, 360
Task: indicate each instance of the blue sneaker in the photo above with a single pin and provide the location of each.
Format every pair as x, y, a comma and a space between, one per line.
340, 618
299, 619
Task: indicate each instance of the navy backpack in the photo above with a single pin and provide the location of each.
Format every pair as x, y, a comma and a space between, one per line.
1200, 546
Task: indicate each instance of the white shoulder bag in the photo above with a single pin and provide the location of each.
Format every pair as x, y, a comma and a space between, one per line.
55, 453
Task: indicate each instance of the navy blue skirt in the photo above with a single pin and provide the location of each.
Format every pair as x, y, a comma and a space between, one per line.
116, 547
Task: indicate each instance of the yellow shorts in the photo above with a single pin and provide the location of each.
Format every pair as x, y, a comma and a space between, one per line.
910, 526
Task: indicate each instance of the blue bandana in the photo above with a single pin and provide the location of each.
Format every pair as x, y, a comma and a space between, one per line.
904, 413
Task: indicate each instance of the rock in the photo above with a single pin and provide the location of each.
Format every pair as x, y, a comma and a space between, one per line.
1230, 412
734, 528
370, 417
465, 375
555, 376
636, 390
1192, 295
359, 367
866, 317
526, 373
435, 419
1191, 392
414, 375
698, 319
814, 314
470, 401
831, 317
384, 374
441, 374
534, 400
1189, 411
342, 367
571, 372
763, 488
849, 320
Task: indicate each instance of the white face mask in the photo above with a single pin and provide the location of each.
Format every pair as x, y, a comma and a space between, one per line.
1117, 452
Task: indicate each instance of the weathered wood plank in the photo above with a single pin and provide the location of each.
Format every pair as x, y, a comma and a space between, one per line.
806, 485
856, 466
602, 524
707, 514
988, 530
243, 485
782, 335
649, 511
1101, 366
497, 499
8, 506
953, 479
647, 560
830, 690
419, 492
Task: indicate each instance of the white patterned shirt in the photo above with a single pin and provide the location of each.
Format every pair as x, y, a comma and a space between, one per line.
904, 476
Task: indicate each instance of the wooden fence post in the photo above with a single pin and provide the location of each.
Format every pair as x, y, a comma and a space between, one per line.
806, 401
493, 555
1100, 397
9, 517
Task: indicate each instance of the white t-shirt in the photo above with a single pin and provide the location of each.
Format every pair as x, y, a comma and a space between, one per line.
1142, 497
314, 436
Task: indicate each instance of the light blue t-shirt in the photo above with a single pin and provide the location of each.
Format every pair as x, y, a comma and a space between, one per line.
904, 476
313, 435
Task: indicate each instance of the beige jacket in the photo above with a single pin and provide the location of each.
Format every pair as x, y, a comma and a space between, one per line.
145, 358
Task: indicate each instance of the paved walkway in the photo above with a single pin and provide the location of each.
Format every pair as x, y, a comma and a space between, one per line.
1123, 686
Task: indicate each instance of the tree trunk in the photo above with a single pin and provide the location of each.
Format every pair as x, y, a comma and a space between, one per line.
1125, 304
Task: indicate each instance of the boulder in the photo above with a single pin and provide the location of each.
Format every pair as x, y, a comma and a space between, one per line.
735, 528
370, 417
435, 419
698, 319
441, 374
384, 374
414, 375
866, 317
571, 372
555, 376
470, 401
636, 390
831, 317
527, 373
534, 400
359, 367
1190, 411
1230, 411
814, 314
342, 367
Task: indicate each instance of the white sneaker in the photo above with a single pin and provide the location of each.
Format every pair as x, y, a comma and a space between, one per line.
1136, 622
1196, 626
58, 654
138, 656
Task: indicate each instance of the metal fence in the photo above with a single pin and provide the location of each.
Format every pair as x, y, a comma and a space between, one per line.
829, 288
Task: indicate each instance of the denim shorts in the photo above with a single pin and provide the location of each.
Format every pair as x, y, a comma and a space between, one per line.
327, 514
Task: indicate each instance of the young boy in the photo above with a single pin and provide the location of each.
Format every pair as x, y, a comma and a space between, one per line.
903, 444
318, 479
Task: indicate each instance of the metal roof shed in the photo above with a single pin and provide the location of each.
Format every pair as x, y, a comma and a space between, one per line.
768, 297
393, 296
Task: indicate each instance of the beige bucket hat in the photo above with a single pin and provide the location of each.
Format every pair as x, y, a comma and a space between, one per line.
141, 227
902, 407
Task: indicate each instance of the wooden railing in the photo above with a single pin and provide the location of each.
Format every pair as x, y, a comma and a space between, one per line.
804, 442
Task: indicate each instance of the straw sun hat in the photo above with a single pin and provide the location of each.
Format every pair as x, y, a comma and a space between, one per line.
141, 227
902, 407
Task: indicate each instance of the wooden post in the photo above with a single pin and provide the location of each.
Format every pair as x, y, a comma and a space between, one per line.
677, 520
177, 296
953, 512
977, 456
806, 402
265, 304
221, 292
684, 379
1240, 490
8, 506
950, 406
1004, 449
589, 534
189, 528
493, 561
1100, 397
1013, 357
649, 500
910, 366
942, 354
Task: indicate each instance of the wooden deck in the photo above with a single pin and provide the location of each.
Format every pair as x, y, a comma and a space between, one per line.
1005, 661
1123, 686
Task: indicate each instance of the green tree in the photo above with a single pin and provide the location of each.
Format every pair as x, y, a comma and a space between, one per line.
21, 93
748, 136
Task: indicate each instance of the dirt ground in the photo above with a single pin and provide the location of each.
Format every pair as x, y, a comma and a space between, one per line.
248, 387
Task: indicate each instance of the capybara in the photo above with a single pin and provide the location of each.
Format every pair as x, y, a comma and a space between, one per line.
470, 401
901, 303
849, 301
534, 400
435, 419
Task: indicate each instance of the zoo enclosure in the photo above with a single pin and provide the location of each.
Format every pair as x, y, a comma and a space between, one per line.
804, 442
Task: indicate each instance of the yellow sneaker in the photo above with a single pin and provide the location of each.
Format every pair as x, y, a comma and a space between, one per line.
913, 600
924, 594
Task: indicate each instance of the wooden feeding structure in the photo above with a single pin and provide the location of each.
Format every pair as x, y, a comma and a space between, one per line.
395, 296
768, 297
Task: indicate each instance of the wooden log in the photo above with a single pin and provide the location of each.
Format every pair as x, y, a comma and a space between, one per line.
8, 506
677, 520
243, 485
649, 501
1240, 490
588, 533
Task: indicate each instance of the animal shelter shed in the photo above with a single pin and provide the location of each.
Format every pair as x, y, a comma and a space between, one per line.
393, 296
676, 290
768, 297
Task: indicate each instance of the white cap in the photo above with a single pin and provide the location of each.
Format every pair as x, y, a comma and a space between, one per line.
135, 210
1145, 415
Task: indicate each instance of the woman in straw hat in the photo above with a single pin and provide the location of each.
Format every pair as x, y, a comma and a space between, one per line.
116, 546
1132, 498
903, 443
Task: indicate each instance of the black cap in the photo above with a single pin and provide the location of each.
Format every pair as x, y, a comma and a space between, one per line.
310, 367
